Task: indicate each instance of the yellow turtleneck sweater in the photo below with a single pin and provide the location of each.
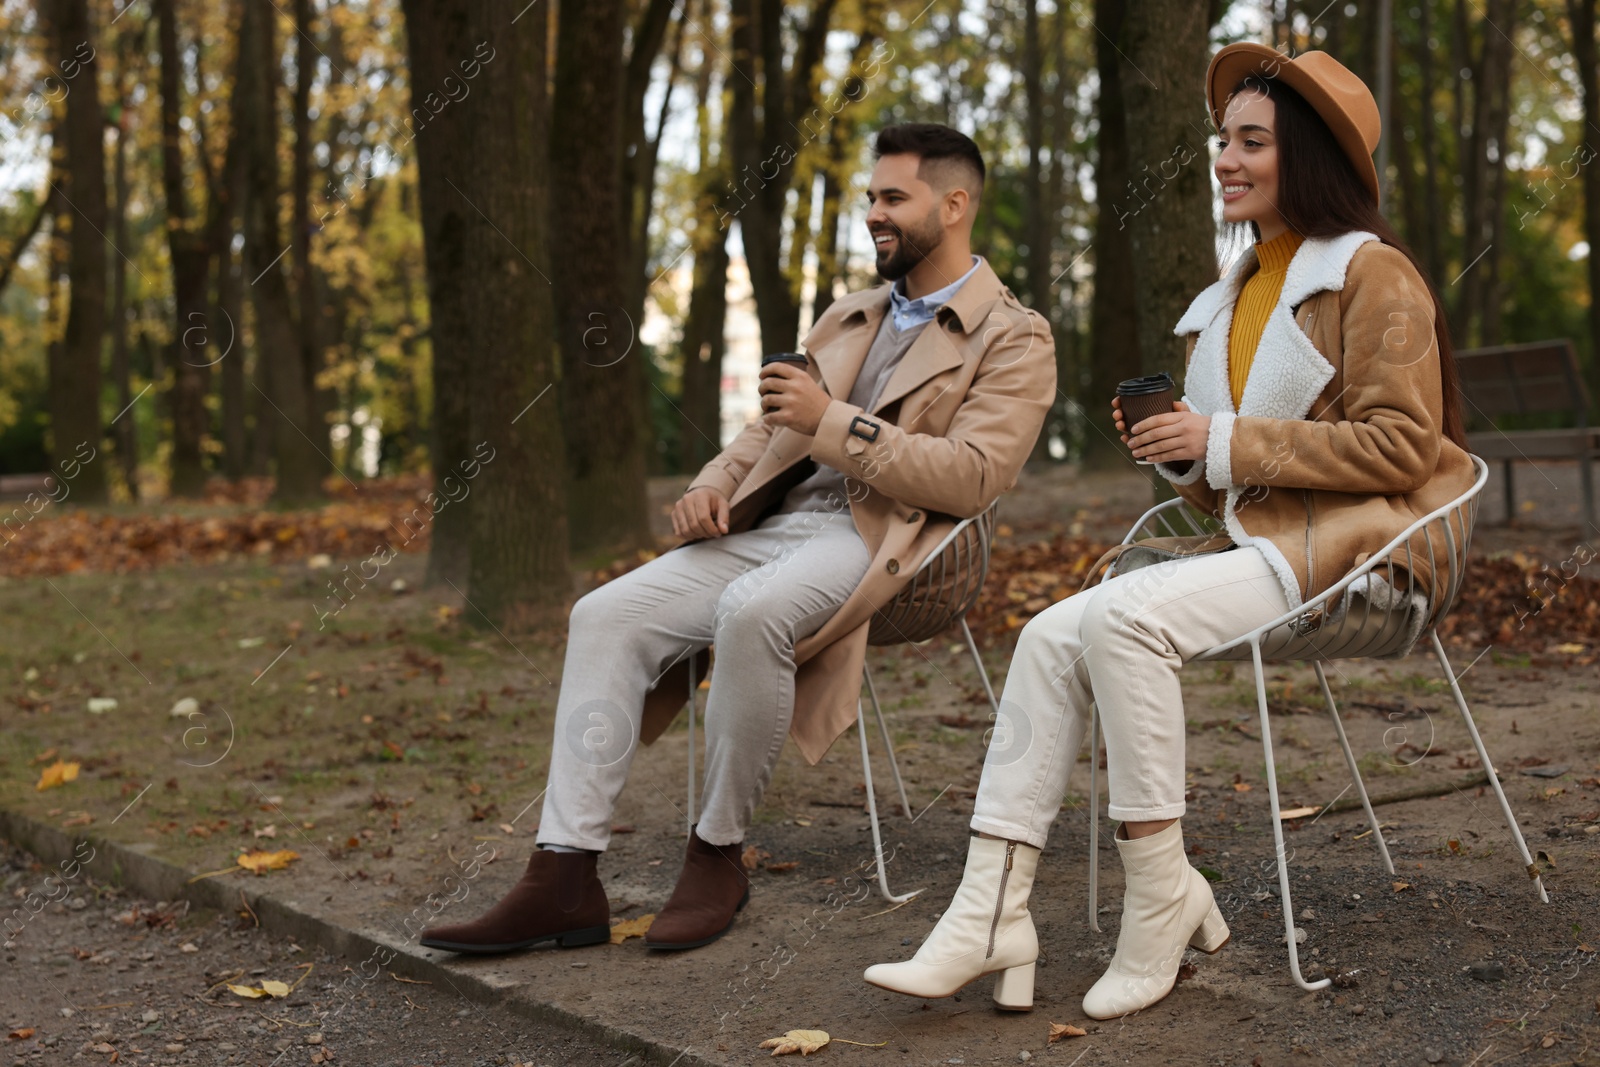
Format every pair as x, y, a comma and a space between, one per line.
1256, 300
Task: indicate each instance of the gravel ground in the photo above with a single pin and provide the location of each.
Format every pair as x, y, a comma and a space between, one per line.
98, 976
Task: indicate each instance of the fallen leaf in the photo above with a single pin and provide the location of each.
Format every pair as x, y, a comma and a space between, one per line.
1570, 649
1297, 813
779, 868
1241, 787
99, 705
1398, 886
275, 989
804, 1042
58, 773
261, 862
631, 928
1455, 846
22, 1034
752, 856
44, 757
1061, 1030
247, 991
270, 830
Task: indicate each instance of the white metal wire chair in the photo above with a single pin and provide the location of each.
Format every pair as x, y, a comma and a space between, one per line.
1331, 626
938, 596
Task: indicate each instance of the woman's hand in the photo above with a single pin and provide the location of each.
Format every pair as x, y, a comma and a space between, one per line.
1176, 436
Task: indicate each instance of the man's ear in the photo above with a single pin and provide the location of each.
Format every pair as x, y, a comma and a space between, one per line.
957, 206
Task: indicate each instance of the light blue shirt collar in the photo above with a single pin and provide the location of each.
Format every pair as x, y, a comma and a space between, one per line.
908, 313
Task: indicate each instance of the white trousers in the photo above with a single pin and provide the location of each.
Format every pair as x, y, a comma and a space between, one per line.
1118, 645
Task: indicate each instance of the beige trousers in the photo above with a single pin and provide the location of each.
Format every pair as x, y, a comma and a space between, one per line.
753, 594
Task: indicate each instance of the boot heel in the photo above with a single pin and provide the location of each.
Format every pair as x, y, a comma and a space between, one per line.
590, 936
1212, 932
1013, 988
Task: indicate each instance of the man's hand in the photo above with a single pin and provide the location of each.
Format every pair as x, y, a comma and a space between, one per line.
790, 398
701, 512
1176, 436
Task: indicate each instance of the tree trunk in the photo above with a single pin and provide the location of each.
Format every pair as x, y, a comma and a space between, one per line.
602, 369
1582, 13
192, 346
1431, 246
638, 148
1172, 236
320, 400
76, 430
48, 202
1490, 78
227, 203
437, 32
125, 424
288, 405
704, 345
1113, 320
763, 155
519, 570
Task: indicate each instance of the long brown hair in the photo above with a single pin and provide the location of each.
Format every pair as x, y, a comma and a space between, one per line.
1321, 195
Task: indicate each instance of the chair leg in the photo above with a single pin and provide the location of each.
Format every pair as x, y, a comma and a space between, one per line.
872, 810
1488, 767
983, 675
694, 689
1094, 818
1277, 830
1510, 492
888, 745
1355, 772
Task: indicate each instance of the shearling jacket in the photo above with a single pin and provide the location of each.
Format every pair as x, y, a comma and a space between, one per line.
949, 433
1337, 444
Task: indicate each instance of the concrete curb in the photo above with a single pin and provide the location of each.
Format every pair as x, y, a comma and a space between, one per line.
156, 879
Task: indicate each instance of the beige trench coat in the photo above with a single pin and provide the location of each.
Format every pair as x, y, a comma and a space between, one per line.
954, 424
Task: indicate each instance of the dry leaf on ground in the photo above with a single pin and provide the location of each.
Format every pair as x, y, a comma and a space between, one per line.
1061, 1030
58, 773
804, 1042
631, 928
268, 988
261, 862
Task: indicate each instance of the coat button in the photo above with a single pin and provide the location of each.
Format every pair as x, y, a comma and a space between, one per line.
915, 516
893, 566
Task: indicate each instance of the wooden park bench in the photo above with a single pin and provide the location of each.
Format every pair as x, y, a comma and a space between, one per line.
18, 486
1537, 378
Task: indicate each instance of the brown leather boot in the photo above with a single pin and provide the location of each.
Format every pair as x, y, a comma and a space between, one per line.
712, 888
559, 898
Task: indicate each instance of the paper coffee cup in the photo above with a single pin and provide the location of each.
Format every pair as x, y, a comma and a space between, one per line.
1144, 397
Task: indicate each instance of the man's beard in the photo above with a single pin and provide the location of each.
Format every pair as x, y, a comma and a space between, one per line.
911, 247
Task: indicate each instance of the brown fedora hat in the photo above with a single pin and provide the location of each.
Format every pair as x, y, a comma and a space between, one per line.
1341, 99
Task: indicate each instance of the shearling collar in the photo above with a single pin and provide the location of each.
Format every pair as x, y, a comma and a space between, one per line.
1320, 264
1287, 374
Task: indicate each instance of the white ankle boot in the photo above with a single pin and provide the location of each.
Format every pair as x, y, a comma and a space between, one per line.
1168, 907
986, 928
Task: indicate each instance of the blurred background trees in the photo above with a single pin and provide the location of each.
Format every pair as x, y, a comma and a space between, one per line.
324, 242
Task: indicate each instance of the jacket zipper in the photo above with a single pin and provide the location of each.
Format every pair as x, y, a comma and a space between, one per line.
999, 901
